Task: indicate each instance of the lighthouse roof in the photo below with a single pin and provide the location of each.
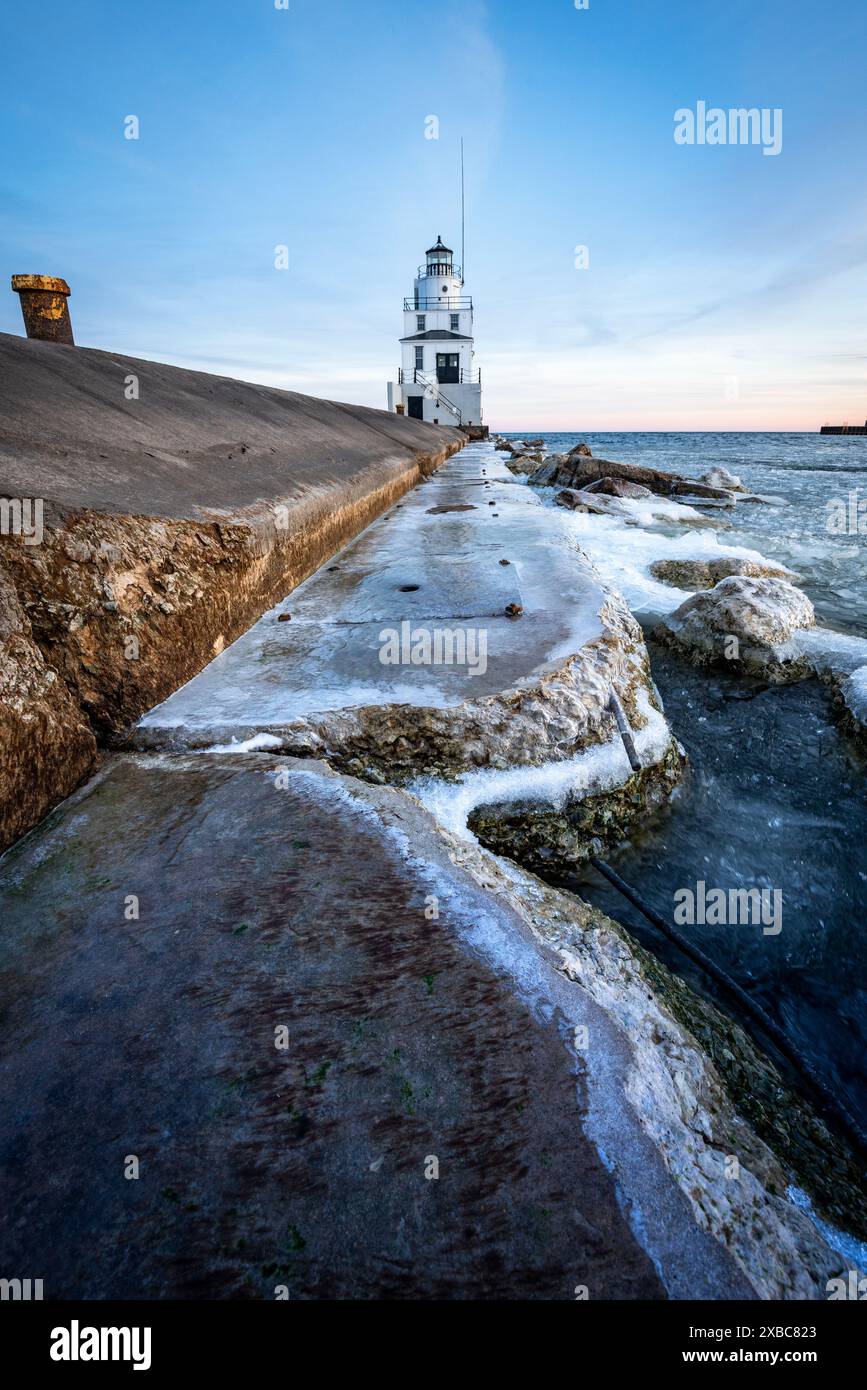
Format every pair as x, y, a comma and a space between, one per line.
439, 247
436, 333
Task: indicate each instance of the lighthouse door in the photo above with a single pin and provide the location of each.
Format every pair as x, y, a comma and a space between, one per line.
447, 367
415, 407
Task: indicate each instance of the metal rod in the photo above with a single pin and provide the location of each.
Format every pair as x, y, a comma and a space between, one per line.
625, 732
463, 219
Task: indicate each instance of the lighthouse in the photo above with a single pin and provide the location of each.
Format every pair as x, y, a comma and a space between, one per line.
438, 380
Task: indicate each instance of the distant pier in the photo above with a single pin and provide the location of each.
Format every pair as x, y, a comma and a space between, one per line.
844, 429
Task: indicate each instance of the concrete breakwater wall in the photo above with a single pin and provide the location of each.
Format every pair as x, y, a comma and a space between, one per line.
151, 514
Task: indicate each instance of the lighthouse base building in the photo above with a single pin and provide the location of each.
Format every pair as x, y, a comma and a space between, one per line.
438, 380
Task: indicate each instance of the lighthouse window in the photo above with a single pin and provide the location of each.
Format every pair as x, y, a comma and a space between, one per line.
420, 322
419, 359
456, 322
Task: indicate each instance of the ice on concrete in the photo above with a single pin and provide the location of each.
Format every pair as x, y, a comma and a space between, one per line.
453, 554
597, 769
258, 743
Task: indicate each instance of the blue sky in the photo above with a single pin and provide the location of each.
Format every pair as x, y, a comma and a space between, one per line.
725, 289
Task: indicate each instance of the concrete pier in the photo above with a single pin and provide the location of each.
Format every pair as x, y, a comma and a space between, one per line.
275, 1032
275, 1024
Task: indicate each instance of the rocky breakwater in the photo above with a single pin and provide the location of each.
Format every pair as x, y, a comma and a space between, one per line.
150, 516
757, 622
580, 470
435, 989
743, 610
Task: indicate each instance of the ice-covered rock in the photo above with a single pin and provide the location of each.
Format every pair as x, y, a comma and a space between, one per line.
721, 477
634, 509
579, 500
744, 621
704, 574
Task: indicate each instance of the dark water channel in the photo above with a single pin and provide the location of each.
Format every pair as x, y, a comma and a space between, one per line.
774, 798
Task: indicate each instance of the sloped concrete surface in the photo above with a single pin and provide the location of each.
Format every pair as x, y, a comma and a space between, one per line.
263, 907
191, 446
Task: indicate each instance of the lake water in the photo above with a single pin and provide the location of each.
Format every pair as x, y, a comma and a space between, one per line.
775, 796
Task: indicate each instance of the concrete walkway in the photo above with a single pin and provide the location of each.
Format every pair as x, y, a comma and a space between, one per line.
434, 560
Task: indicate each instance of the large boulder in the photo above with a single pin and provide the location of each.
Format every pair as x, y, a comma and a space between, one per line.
598, 503
523, 463
703, 574
619, 487
743, 621
578, 470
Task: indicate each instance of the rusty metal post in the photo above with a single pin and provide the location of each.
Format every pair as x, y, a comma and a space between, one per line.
625, 731
44, 306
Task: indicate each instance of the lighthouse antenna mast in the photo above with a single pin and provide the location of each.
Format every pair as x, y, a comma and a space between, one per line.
463, 222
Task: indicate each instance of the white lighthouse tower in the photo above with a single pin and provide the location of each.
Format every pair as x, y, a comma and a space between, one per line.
438, 380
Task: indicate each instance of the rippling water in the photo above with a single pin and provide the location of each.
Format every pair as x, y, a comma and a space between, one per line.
774, 797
